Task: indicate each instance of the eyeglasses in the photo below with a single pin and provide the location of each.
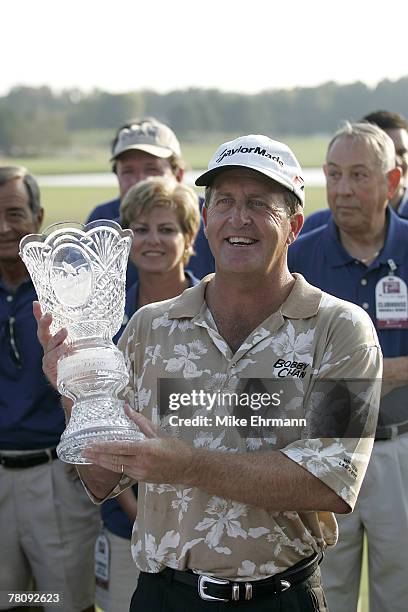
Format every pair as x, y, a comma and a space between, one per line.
14, 352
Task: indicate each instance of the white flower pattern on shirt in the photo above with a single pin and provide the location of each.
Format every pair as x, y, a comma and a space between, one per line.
183, 527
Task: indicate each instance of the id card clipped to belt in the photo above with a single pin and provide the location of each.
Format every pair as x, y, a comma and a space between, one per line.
102, 558
391, 301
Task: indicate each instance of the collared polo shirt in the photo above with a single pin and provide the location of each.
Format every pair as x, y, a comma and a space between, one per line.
316, 219
324, 262
31, 416
403, 205
186, 528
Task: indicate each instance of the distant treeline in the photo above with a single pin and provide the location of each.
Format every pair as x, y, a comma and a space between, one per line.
36, 120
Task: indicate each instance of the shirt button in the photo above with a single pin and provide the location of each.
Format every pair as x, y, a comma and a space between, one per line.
363, 281
9, 298
365, 305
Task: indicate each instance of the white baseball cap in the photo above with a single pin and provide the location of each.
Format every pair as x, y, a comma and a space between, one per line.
269, 157
148, 135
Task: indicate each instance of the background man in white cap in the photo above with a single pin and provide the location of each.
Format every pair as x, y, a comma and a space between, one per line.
143, 148
47, 527
232, 514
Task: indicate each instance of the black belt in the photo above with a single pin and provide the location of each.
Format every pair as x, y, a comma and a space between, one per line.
389, 432
218, 589
27, 460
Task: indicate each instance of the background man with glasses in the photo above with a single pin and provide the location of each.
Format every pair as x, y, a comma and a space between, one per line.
48, 525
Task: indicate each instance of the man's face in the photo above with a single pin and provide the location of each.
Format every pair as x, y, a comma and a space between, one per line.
135, 166
400, 139
247, 223
358, 189
16, 218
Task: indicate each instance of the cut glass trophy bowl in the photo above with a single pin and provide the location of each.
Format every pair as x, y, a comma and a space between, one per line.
79, 274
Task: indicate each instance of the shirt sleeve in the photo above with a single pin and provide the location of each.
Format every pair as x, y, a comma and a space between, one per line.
341, 409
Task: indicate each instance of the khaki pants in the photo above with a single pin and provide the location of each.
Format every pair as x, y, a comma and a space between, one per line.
48, 527
382, 513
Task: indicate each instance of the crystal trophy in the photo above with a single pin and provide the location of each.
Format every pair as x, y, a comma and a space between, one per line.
79, 274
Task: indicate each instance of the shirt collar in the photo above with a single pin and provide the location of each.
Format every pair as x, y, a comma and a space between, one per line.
27, 282
404, 203
336, 254
302, 302
393, 248
394, 245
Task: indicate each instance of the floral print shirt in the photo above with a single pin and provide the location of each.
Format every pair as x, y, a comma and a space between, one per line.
312, 338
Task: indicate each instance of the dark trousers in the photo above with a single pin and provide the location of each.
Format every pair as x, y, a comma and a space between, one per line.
158, 593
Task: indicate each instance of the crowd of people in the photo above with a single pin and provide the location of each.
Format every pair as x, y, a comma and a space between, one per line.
223, 289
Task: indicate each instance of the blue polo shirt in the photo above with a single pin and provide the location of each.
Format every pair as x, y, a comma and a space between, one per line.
316, 219
31, 416
113, 517
320, 257
200, 264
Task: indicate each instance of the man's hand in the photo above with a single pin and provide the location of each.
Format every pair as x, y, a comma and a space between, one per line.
54, 346
157, 459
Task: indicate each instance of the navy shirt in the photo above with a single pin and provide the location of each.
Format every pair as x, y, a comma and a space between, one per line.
31, 416
113, 517
320, 257
200, 264
316, 219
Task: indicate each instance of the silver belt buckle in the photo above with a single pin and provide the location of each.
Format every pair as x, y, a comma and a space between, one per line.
202, 585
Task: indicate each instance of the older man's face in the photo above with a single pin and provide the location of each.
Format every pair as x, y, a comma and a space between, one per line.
247, 223
358, 189
16, 218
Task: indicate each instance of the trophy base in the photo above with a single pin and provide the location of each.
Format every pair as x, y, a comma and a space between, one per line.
70, 447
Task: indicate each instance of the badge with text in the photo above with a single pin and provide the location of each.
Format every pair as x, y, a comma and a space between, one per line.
391, 303
102, 555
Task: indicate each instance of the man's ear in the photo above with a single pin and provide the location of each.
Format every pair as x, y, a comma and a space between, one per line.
296, 224
39, 215
393, 180
204, 215
180, 175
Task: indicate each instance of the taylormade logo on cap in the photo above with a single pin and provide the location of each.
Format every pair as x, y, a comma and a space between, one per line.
255, 150
270, 157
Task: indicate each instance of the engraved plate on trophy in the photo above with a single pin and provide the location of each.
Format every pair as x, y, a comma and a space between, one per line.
79, 274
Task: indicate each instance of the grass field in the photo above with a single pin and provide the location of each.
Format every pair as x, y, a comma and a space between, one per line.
95, 158
72, 203
75, 203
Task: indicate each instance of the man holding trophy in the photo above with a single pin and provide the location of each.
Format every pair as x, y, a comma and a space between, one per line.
226, 517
